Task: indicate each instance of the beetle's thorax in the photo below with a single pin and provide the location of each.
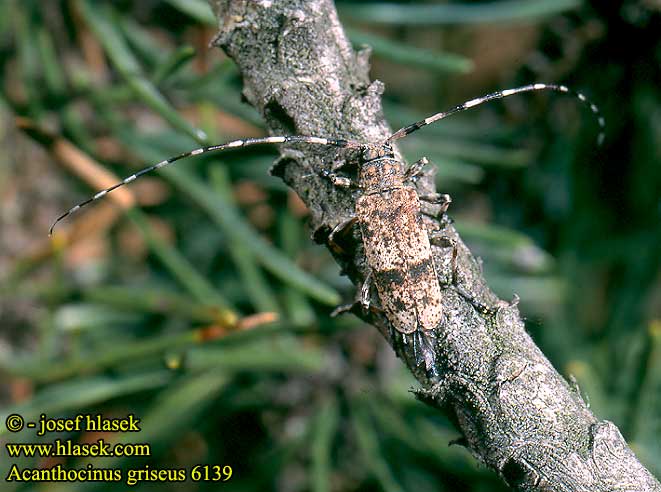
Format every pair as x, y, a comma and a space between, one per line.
380, 170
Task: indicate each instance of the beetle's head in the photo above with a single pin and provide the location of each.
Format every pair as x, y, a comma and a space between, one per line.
371, 152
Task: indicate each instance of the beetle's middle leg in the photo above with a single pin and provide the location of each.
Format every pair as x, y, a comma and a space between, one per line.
338, 231
363, 298
440, 237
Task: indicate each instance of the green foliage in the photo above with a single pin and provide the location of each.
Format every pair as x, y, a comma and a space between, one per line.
204, 309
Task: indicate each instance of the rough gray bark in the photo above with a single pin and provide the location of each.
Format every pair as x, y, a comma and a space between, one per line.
517, 414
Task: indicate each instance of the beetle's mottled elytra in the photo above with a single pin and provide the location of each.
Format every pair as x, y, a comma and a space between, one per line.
397, 245
399, 253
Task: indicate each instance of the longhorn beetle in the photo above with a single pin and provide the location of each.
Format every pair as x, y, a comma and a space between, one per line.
397, 245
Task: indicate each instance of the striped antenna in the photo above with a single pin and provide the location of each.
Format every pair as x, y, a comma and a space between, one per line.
407, 130
203, 150
402, 132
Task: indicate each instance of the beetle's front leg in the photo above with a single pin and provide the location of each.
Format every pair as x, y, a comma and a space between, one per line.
415, 170
338, 180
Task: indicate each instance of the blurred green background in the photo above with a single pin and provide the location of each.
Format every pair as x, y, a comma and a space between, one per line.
204, 309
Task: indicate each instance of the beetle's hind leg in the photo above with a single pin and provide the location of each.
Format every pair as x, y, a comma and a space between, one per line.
441, 239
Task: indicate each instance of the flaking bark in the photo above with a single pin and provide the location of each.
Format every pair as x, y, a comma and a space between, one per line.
516, 413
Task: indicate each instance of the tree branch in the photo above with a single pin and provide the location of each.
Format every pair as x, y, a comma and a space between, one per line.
516, 413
